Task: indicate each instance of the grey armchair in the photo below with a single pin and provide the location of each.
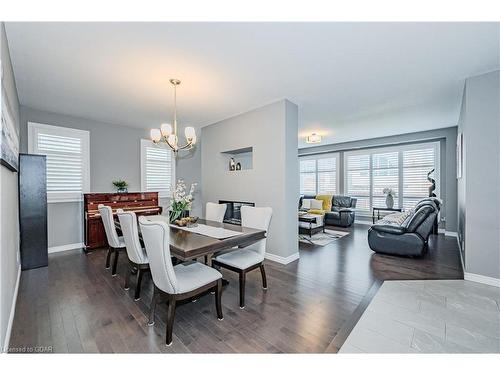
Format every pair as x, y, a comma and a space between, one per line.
343, 211
341, 214
406, 233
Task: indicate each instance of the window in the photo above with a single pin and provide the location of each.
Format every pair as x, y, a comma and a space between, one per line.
385, 174
358, 179
416, 164
402, 168
157, 168
68, 160
318, 175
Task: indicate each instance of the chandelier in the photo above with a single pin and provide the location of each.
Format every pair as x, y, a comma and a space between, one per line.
168, 135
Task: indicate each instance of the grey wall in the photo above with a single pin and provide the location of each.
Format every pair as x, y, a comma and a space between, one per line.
479, 200
272, 132
189, 168
114, 153
9, 219
448, 182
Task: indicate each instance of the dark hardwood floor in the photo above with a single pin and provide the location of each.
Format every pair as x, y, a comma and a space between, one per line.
311, 305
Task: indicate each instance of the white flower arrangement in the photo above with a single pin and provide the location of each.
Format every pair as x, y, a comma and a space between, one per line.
180, 200
388, 191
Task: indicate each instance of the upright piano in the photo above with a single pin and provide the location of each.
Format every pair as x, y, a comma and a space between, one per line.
140, 203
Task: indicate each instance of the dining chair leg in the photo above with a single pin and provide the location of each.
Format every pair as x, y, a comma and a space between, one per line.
170, 319
264, 279
127, 278
218, 295
108, 257
152, 308
115, 263
137, 296
242, 290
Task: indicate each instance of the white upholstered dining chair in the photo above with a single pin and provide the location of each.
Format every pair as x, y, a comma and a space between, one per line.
115, 243
179, 282
250, 257
215, 212
136, 254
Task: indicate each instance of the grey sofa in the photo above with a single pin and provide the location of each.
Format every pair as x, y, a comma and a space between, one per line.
405, 233
341, 214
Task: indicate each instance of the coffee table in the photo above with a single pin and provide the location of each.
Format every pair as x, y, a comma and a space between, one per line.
316, 223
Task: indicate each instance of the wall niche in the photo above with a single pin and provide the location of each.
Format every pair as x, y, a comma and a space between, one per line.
243, 159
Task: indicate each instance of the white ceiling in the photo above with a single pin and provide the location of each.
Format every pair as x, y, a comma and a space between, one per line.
350, 80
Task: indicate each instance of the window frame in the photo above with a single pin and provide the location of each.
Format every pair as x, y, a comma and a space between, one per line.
399, 201
84, 135
143, 145
330, 155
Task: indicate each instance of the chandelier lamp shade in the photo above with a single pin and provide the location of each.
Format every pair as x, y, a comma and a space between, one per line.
168, 133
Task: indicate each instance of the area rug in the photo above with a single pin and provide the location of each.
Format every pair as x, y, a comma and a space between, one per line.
322, 239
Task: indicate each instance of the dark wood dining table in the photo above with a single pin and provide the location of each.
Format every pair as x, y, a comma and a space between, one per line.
186, 245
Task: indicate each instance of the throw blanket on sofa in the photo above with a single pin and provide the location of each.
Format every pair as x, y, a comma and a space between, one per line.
397, 218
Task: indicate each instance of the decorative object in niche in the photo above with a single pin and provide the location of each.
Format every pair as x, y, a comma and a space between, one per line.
241, 156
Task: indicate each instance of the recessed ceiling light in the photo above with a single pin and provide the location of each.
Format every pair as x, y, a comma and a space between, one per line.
313, 138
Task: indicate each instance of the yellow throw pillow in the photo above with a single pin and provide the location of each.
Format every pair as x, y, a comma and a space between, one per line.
327, 201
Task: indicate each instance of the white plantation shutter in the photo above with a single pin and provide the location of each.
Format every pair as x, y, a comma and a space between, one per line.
385, 174
318, 175
158, 165
327, 175
358, 179
307, 176
416, 164
402, 168
67, 152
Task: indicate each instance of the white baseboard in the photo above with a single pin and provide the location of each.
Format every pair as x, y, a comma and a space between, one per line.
71, 246
282, 260
482, 279
6, 342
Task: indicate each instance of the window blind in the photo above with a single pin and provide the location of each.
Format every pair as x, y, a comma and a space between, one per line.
64, 162
308, 177
327, 176
385, 174
318, 175
68, 159
157, 168
402, 168
416, 164
358, 179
